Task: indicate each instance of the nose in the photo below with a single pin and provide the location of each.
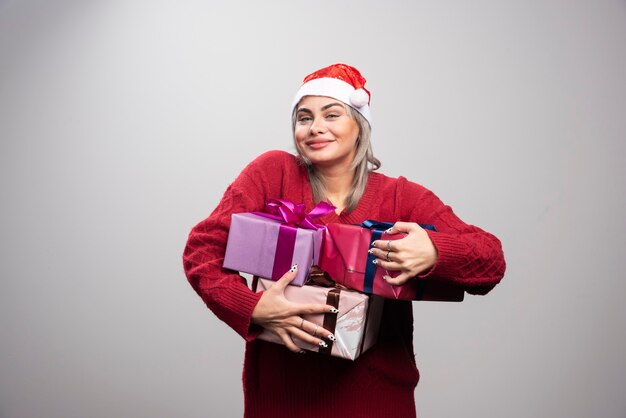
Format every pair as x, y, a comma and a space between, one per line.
317, 126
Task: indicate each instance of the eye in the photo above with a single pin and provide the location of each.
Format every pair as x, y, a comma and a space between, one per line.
332, 116
304, 119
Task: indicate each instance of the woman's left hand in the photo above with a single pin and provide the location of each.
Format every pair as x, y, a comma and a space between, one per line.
411, 255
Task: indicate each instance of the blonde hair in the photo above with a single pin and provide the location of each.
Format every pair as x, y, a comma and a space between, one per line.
364, 162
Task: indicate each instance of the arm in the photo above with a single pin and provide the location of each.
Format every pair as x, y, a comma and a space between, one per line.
224, 291
460, 253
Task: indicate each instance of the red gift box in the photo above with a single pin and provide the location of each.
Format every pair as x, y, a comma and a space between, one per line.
346, 260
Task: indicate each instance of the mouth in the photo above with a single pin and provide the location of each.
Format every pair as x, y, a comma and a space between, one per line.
318, 143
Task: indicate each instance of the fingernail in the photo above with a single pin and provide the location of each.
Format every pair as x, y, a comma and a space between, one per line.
375, 261
332, 337
389, 230
301, 352
371, 251
323, 344
373, 243
334, 310
385, 278
293, 268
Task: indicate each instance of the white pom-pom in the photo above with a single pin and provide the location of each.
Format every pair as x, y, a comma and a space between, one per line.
359, 98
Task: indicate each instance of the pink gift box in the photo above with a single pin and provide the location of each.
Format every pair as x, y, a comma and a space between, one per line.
268, 248
344, 257
357, 322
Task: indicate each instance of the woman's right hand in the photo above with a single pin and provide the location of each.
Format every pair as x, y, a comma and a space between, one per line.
282, 317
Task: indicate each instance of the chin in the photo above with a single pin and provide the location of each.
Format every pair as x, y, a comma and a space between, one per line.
318, 158
325, 162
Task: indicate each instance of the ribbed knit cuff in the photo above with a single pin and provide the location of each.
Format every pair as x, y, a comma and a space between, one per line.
240, 302
450, 255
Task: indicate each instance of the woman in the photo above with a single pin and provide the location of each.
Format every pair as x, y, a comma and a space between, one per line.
335, 163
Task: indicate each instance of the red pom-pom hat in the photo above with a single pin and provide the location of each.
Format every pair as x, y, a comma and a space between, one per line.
341, 82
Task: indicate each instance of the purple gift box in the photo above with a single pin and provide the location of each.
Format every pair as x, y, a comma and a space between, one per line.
267, 245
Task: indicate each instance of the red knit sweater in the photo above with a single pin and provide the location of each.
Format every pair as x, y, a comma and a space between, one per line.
380, 383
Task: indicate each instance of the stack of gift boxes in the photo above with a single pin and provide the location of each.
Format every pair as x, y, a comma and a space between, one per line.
266, 245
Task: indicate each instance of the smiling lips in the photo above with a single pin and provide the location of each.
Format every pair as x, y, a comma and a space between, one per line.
318, 143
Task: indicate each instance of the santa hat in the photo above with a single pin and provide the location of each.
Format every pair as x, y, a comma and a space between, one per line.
341, 82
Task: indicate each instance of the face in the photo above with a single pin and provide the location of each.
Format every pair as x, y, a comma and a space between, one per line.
325, 132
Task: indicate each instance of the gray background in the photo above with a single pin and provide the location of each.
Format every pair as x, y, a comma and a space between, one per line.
122, 122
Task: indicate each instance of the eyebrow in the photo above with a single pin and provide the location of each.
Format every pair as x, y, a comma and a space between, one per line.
328, 106
331, 105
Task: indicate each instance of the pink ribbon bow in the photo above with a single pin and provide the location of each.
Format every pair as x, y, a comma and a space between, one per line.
293, 214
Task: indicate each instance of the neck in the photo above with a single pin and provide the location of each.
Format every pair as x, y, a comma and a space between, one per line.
338, 184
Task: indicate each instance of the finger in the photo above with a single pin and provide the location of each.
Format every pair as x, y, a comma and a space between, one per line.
384, 255
316, 331
285, 337
287, 278
318, 339
382, 244
392, 230
297, 321
303, 309
405, 227
399, 280
385, 244
387, 265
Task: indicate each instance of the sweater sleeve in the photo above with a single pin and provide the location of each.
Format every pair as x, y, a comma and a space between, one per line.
224, 291
467, 255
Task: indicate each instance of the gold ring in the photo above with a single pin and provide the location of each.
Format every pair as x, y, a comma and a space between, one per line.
388, 255
315, 331
302, 324
389, 246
